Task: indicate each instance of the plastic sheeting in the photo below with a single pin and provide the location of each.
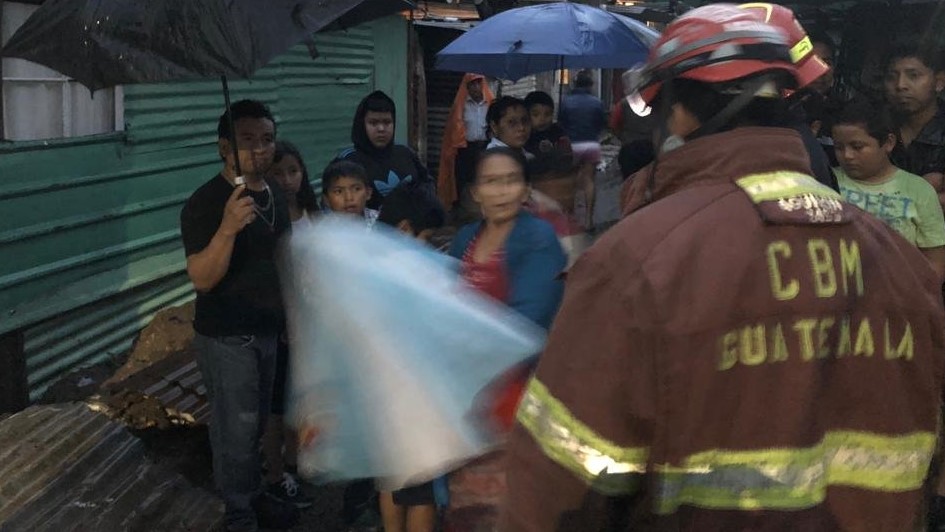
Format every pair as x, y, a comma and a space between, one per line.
391, 355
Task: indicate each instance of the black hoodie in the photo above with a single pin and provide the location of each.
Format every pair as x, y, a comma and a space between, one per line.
386, 167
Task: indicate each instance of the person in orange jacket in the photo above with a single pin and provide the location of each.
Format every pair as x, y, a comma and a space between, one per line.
464, 137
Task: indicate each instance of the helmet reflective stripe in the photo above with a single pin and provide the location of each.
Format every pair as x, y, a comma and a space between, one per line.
809, 66
801, 49
726, 52
769, 9
673, 52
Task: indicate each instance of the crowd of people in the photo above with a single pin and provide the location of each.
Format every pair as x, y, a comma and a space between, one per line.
745, 350
231, 230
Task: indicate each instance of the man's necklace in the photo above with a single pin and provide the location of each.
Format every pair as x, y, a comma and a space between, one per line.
261, 211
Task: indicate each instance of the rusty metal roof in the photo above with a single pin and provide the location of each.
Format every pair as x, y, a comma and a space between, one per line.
184, 391
175, 381
65, 467
443, 10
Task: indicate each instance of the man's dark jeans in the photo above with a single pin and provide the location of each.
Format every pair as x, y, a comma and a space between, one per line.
238, 372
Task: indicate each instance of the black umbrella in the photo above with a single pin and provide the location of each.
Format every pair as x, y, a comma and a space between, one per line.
103, 43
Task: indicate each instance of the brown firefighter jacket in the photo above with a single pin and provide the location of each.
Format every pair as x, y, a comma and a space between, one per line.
746, 352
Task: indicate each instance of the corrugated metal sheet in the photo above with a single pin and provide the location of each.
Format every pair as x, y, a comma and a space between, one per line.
442, 10
97, 332
183, 390
64, 467
441, 90
318, 98
167, 116
87, 221
89, 237
520, 88
175, 381
436, 124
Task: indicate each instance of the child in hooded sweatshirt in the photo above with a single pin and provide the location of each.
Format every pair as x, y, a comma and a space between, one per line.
387, 163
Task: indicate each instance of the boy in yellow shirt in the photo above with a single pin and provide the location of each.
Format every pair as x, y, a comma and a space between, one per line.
863, 139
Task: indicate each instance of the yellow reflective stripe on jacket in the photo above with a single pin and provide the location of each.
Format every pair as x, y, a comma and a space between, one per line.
772, 186
602, 464
783, 479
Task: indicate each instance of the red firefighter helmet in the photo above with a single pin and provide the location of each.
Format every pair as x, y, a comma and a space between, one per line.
809, 66
717, 43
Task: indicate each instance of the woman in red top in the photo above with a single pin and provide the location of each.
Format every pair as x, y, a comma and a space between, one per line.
515, 258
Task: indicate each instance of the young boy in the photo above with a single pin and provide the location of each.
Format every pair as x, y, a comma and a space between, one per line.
552, 166
347, 190
386, 163
863, 139
548, 141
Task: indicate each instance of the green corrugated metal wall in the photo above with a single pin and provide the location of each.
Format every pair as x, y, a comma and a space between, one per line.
89, 240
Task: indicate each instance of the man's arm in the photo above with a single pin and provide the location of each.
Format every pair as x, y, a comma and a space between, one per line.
585, 424
930, 237
207, 267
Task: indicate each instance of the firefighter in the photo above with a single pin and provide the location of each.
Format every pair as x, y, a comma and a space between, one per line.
744, 351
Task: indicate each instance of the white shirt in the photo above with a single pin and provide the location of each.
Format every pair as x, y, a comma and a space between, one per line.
496, 143
302, 223
474, 118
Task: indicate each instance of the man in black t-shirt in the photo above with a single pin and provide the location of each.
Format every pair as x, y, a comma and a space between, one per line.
230, 231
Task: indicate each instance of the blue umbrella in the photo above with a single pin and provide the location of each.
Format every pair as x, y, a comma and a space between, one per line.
527, 40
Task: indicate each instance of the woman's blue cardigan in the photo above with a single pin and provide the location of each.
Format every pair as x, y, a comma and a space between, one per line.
534, 261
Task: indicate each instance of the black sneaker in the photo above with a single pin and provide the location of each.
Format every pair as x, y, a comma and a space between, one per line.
273, 513
289, 491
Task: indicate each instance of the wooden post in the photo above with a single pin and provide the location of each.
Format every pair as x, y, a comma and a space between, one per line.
14, 388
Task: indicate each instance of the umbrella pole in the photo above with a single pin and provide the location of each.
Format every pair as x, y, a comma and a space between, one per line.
231, 126
560, 81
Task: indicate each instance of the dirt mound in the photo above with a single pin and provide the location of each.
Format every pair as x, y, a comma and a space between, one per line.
171, 331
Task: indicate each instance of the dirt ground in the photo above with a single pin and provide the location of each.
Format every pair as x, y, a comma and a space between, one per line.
171, 331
